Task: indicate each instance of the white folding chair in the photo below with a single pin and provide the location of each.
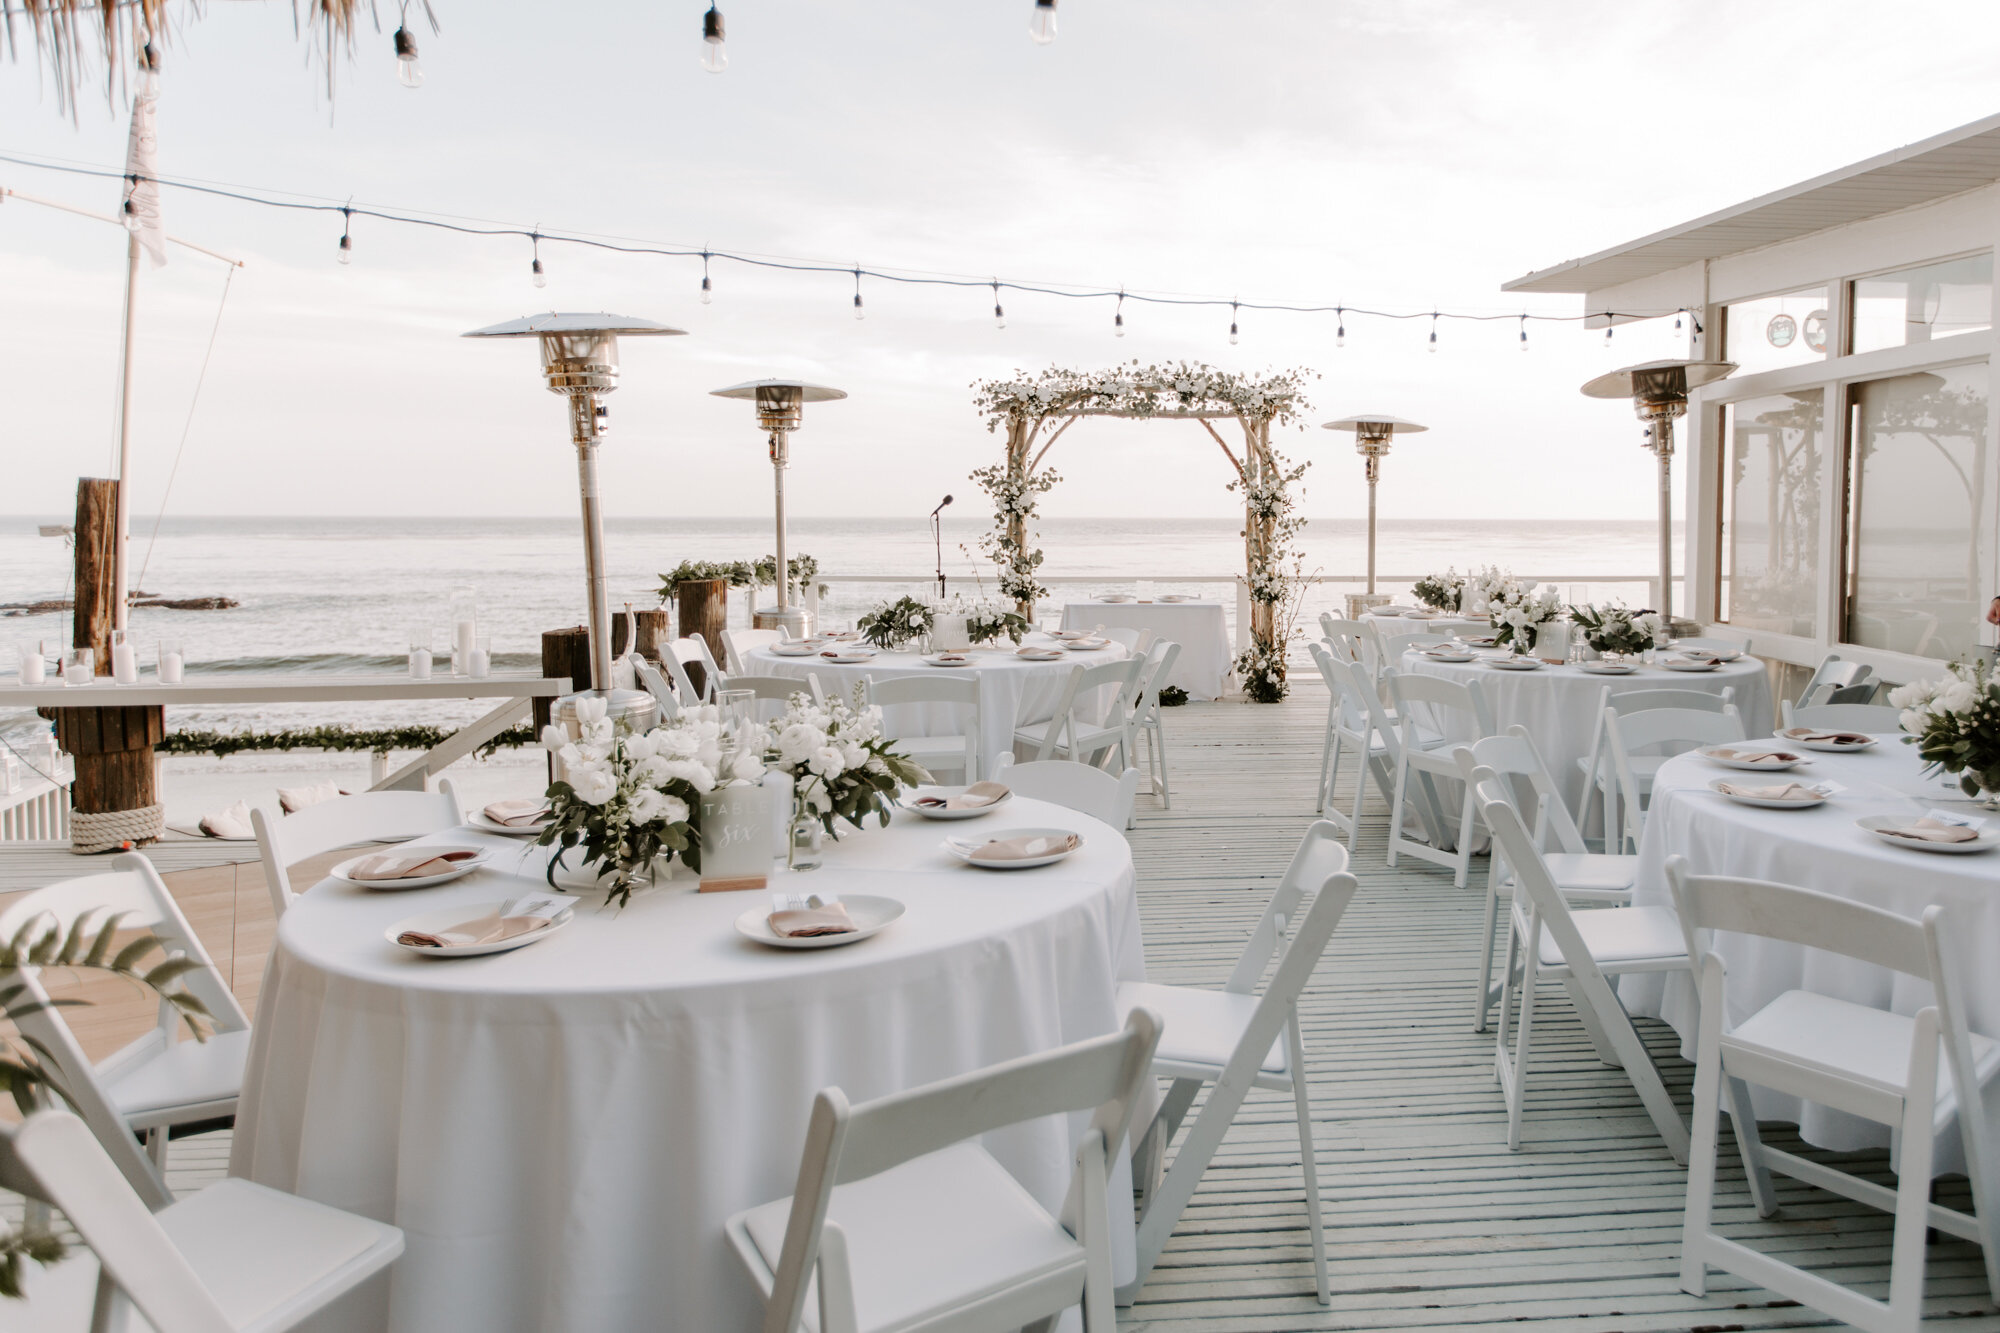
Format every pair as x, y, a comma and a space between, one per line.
1838, 682
1236, 1039
1580, 875
156, 1086
1546, 943
903, 1221
1670, 731
231, 1258
737, 643
1600, 778
1871, 1063
1081, 787
1357, 720
1348, 641
1718, 639
1877, 719
1065, 735
1147, 722
1391, 647
774, 689
346, 821
952, 751
678, 655
1442, 699
1128, 639
654, 682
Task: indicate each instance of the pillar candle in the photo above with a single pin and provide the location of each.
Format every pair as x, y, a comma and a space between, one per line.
124, 664
481, 663
464, 637
33, 669
420, 664
170, 668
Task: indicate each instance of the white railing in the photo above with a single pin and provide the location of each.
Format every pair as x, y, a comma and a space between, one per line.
38, 811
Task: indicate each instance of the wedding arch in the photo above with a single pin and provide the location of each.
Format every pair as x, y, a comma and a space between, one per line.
1036, 410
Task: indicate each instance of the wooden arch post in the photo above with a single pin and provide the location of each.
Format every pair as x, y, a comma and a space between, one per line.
1020, 436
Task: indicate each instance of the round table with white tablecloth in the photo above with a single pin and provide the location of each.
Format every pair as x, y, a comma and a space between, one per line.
1430, 622
1197, 625
1819, 848
562, 1131
1559, 704
1013, 691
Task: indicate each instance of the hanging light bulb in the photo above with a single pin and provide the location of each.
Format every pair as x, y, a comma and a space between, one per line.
1232, 323
407, 68
859, 313
1118, 319
1340, 332
1434, 331
346, 254
1677, 323
1524, 333
1607, 336
999, 315
705, 293
541, 278
1042, 22
713, 58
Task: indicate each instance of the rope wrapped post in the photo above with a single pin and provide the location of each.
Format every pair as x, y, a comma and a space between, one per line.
115, 797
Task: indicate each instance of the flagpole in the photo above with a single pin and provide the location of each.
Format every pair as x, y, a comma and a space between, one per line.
119, 592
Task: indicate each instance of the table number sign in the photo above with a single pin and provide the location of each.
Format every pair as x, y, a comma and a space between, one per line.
736, 849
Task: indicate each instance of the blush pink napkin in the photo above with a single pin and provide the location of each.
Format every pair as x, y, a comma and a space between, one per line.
1828, 737
1791, 791
800, 922
407, 865
518, 812
481, 930
1021, 849
977, 796
1931, 830
1752, 754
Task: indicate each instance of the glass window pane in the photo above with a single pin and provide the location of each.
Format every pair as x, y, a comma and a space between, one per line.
1916, 468
1776, 331
1770, 512
1915, 305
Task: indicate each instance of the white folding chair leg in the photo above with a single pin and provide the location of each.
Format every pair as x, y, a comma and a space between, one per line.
1396, 807
1329, 756
1514, 1071
1302, 1108
1482, 1000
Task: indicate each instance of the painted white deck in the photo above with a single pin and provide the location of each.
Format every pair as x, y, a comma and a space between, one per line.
1432, 1223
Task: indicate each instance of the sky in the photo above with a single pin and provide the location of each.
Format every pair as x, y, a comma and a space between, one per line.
1398, 154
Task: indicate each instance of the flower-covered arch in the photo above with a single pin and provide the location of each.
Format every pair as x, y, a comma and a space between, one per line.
1036, 410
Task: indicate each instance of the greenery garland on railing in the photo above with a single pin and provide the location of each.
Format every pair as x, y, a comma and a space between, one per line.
379, 740
741, 573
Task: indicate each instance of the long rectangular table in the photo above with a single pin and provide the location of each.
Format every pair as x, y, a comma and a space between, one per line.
1198, 627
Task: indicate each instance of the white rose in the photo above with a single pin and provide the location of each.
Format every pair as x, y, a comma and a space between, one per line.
647, 805
591, 710
827, 762
593, 785
1959, 697
1910, 695
1913, 720
641, 746
853, 756
690, 772
797, 742
747, 768
673, 810
570, 755
679, 743
554, 738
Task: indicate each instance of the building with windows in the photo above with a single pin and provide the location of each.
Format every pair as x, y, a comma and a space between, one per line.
1840, 487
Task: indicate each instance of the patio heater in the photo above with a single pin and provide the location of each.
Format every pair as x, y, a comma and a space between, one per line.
1659, 393
580, 359
1372, 436
780, 407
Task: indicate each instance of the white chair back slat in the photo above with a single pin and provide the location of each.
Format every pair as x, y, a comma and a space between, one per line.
1079, 786
1836, 680
1877, 719
1672, 731
738, 643
959, 693
346, 821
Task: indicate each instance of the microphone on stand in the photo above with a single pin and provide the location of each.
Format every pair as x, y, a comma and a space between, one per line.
937, 539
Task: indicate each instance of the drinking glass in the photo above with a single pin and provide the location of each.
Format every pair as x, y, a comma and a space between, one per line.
34, 662
736, 713
124, 657
172, 661
79, 666
421, 639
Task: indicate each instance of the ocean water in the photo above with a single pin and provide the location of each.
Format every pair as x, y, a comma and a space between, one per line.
346, 594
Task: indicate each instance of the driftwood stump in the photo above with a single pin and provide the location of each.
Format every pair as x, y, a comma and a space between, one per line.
566, 652
704, 608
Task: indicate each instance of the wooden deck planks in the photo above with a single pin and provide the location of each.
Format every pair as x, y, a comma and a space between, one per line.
1432, 1224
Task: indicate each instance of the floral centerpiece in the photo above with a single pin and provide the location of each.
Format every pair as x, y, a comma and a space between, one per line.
895, 624
1955, 724
1519, 610
1483, 587
1440, 592
632, 800
1617, 629
841, 765
985, 624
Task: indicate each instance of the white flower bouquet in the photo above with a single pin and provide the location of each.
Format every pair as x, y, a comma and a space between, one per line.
1440, 592
1485, 587
1616, 629
1518, 611
630, 800
1955, 724
841, 766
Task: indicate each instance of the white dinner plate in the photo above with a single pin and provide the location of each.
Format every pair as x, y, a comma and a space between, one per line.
1985, 842
1040, 655
1478, 640
1796, 736
458, 871
1607, 668
1080, 646
478, 820
869, 914
963, 848
949, 660
796, 649
1175, 597
1421, 615
938, 812
847, 659
1690, 666
1446, 657
1772, 765
1114, 597
1512, 663
1061, 634
444, 918
1761, 803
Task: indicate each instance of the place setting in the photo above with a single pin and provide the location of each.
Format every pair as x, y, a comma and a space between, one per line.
950, 803
522, 817
823, 920
473, 930
1826, 741
1752, 757
1015, 849
1780, 796
1937, 831
419, 867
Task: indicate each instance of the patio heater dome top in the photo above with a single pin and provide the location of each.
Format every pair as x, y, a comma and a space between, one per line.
1375, 423
579, 350
779, 401
534, 326
808, 393
1657, 380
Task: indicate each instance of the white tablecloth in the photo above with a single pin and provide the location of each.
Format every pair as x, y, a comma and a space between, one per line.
1013, 692
1441, 624
1819, 848
562, 1131
1202, 669
1558, 704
